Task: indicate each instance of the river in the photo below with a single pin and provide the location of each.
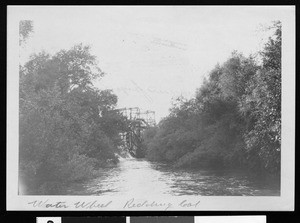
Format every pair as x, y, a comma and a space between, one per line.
135, 177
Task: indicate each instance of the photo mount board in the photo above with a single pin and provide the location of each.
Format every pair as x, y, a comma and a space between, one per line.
284, 202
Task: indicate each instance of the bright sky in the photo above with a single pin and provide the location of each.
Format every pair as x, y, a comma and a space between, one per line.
151, 54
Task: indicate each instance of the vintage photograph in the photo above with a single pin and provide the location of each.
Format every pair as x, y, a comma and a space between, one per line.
149, 101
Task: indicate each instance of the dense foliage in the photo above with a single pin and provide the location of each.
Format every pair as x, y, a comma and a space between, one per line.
67, 126
25, 29
234, 120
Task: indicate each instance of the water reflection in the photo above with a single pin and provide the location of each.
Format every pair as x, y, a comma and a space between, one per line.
132, 177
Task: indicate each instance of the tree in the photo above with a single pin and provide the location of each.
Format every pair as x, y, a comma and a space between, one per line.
262, 102
234, 119
25, 28
63, 137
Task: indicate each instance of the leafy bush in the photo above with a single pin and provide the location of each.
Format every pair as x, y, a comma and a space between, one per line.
63, 137
234, 119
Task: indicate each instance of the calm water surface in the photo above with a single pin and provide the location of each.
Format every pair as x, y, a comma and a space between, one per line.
137, 177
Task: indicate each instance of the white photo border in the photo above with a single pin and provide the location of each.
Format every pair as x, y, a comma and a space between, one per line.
284, 202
